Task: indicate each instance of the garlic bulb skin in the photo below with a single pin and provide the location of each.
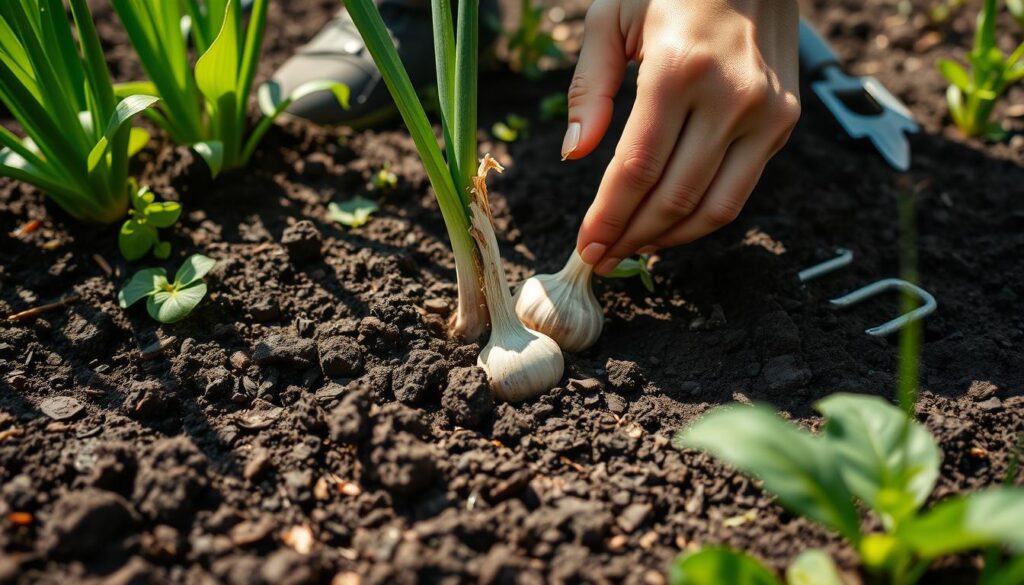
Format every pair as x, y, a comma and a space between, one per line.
520, 363
562, 305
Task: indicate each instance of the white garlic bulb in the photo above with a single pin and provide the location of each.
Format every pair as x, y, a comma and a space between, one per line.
562, 305
520, 363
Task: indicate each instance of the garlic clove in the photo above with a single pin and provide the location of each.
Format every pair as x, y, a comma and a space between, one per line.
521, 365
562, 305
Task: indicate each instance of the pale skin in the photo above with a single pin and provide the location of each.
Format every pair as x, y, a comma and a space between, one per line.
717, 96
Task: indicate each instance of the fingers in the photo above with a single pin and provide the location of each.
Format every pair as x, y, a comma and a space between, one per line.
647, 143
598, 75
740, 170
694, 163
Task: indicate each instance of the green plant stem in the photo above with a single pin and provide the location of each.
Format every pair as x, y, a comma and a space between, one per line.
467, 53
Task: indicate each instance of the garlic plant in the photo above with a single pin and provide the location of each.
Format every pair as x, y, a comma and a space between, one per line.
562, 305
520, 363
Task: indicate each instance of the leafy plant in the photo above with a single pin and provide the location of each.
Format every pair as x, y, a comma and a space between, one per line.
511, 129
873, 452
529, 43
168, 302
139, 234
79, 138
384, 180
631, 267
205, 107
972, 95
353, 213
451, 178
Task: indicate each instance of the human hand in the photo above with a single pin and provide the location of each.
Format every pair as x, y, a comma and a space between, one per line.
717, 96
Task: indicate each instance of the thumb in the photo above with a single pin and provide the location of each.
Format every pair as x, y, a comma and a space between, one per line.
598, 75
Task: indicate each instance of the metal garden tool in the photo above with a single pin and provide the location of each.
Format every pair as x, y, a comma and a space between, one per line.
863, 107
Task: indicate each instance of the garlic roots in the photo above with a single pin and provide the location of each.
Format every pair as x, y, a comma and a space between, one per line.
562, 305
520, 363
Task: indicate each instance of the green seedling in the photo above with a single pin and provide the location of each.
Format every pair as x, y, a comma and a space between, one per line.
78, 133
529, 43
168, 302
139, 234
206, 106
870, 452
554, 107
384, 180
511, 129
353, 213
972, 95
719, 565
631, 267
942, 11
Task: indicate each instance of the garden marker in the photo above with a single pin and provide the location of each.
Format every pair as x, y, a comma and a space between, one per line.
885, 128
843, 258
927, 307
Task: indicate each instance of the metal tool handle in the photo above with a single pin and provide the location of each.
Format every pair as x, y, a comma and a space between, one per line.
815, 54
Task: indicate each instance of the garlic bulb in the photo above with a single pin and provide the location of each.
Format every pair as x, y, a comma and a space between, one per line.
520, 363
562, 305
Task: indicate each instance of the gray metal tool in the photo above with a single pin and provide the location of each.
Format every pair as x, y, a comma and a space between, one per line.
837, 90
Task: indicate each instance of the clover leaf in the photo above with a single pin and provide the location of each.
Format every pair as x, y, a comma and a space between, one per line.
354, 213
139, 233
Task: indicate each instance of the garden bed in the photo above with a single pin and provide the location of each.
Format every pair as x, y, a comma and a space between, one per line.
313, 393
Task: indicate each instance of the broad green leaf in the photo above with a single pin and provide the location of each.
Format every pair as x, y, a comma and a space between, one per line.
354, 213
882, 454
803, 472
142, 284
163, 214
719, 566
126, 109
212, 152
968, 522
192, 269
137, 140
162, 250
123, 90
174, 305
135, 239
217, 69
813, 567
955, 73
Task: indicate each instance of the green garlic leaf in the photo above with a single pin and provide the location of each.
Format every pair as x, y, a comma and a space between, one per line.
968, 522
813, 567
162, 250
136, 239
138, 138
192, 269
174, 305
889, 462
142, 284
803, 472
954, 73
354, 213
211, 151
719, 566
162, 215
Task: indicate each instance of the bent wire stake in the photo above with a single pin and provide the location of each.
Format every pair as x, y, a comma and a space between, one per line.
843, 258
928, 303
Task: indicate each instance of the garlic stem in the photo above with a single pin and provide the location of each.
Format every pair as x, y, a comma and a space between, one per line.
520, 363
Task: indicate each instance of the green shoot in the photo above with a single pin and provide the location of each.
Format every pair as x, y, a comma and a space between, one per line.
872, 452
451, 178
78, 135
631, 267
206, 106
168, 302
942, 11
529, 43
384, 180
139, 234
972, 95
353, 213
511, 129
719, 565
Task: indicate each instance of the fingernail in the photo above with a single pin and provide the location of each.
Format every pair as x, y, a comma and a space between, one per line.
571, 140
608, 265
592, 253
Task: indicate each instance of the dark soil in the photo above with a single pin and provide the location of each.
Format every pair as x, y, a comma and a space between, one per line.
310, 422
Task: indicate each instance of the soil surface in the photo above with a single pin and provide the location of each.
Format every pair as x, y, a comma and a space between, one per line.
310, 422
